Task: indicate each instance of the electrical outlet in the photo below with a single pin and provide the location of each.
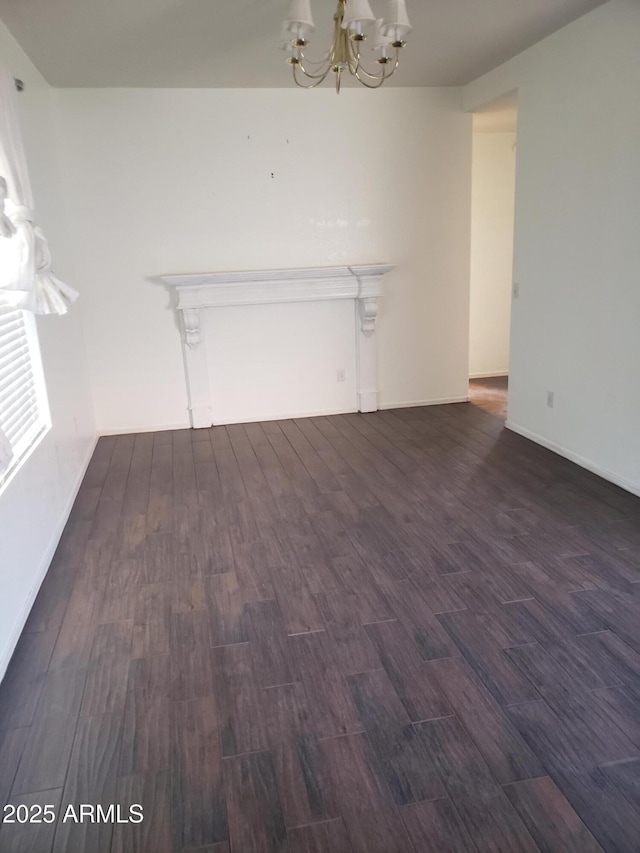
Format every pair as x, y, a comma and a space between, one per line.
516, 290
342, 375
550, 399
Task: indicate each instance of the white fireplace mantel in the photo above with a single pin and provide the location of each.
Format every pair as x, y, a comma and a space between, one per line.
263, 287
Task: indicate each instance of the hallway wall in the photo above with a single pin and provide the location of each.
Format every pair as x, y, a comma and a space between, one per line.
577, 253
492, 212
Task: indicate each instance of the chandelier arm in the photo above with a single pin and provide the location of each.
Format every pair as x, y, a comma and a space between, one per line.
314, 76
353, 58
356, 68
357, 60
309, 85
384, 75
366, 84
317, 62
327, 59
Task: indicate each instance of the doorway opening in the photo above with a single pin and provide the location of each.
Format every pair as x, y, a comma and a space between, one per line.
490, 394
491, 273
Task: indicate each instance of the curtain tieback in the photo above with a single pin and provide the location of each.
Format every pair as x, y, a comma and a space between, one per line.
42, 253
21, 213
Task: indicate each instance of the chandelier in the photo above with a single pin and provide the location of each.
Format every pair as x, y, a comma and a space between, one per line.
352, 19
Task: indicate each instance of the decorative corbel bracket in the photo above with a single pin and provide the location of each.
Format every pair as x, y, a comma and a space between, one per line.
191, 327
368, 314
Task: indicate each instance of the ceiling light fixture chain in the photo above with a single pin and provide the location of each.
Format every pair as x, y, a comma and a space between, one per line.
351, 20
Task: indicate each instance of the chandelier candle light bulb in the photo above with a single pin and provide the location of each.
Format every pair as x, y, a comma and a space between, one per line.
351, 20
357, 15
300, 20
381, 43
396, 24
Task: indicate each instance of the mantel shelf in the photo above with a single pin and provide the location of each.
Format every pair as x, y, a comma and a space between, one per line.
256, 287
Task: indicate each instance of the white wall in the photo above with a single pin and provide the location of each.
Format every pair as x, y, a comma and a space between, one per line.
492, 209
575, 327
301, 347
35, 504
171, 181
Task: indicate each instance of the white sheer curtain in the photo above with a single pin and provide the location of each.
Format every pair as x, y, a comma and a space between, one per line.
26, 279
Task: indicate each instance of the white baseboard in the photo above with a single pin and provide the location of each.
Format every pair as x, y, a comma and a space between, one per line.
271, 416
43, 568
230, 419
286, 416
612, 477
489, 375
414, 404
139, 429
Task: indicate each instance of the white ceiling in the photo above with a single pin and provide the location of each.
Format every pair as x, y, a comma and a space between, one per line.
227, 43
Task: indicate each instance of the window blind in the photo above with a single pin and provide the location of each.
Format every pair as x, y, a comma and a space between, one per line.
20, 416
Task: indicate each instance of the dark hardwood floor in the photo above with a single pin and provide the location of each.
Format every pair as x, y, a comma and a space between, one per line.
404, 631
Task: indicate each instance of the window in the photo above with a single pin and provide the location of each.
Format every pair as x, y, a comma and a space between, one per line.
24, 416
26, 280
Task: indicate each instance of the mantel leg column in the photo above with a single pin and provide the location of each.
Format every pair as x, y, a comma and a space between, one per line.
197, 372
367, 354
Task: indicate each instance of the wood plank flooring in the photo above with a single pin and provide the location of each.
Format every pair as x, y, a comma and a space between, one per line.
404, 631
489, 394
